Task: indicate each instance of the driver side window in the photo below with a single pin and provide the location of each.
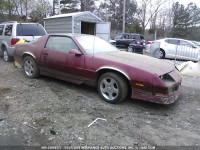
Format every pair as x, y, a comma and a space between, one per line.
61, 43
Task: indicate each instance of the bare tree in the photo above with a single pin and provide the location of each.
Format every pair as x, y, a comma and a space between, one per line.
41, 9
88, 5
148, 11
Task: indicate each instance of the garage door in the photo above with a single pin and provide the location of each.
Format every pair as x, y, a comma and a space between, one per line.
103, 30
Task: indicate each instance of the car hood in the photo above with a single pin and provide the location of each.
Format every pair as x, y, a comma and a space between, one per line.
147, 63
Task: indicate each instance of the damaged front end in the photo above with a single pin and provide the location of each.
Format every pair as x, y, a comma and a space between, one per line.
166, 89
172, 90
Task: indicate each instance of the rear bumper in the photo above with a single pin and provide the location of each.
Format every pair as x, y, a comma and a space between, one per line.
137, 48
10, 50
158, 98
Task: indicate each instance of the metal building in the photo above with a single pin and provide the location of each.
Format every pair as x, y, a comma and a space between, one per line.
79, 22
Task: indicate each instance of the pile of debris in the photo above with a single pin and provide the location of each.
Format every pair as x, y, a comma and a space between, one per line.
190, 69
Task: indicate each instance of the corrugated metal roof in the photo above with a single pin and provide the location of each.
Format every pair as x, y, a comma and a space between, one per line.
73, 14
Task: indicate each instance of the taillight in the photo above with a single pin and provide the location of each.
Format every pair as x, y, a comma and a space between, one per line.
14, 41
138, 43
150, 42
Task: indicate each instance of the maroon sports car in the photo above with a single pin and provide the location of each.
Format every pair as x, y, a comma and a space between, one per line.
88, 59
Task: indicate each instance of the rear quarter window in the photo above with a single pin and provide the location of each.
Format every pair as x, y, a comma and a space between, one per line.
141, 37
1, 29
30, 30
8, 30
133, 37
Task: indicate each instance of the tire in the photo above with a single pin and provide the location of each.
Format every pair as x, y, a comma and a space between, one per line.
30, 67
112, 87
130, 49
161, 54
6, 56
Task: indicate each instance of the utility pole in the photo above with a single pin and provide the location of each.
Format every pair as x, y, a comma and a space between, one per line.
59, 7
124, 10
155, 35
84, 5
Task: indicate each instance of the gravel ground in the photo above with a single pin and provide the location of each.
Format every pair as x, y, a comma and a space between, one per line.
47, 111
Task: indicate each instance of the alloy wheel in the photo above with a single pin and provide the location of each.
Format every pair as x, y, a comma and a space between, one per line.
109, 88
28, 67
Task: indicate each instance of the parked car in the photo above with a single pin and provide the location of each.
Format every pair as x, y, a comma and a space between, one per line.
88, 59
131, 41
174, 48
12, 32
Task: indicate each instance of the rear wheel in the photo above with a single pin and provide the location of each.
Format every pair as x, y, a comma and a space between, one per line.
6, 56
30, 67
112, 87
160, 53
130, 49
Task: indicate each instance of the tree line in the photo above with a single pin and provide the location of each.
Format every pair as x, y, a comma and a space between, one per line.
166, 18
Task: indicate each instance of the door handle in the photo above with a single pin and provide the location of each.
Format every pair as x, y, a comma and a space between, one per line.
44, 53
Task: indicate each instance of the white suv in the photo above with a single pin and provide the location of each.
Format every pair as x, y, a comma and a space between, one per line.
12, 32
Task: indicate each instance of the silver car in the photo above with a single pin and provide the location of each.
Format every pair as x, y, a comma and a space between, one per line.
12, 32
174, 48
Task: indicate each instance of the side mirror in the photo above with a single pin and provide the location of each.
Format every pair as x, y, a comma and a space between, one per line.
75, 52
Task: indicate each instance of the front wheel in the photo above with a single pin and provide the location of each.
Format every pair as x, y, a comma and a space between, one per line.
30, 67
112, 87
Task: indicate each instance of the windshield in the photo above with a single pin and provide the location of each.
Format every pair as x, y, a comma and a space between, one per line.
30, 30
93, 44
196, 43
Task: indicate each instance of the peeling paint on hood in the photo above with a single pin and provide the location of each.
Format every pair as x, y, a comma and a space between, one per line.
147, 63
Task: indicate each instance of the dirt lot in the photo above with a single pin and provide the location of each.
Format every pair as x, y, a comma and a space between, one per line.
47, 111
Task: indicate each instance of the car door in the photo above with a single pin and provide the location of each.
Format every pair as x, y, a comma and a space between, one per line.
56, 60
170, 47
125, 41
119, 39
